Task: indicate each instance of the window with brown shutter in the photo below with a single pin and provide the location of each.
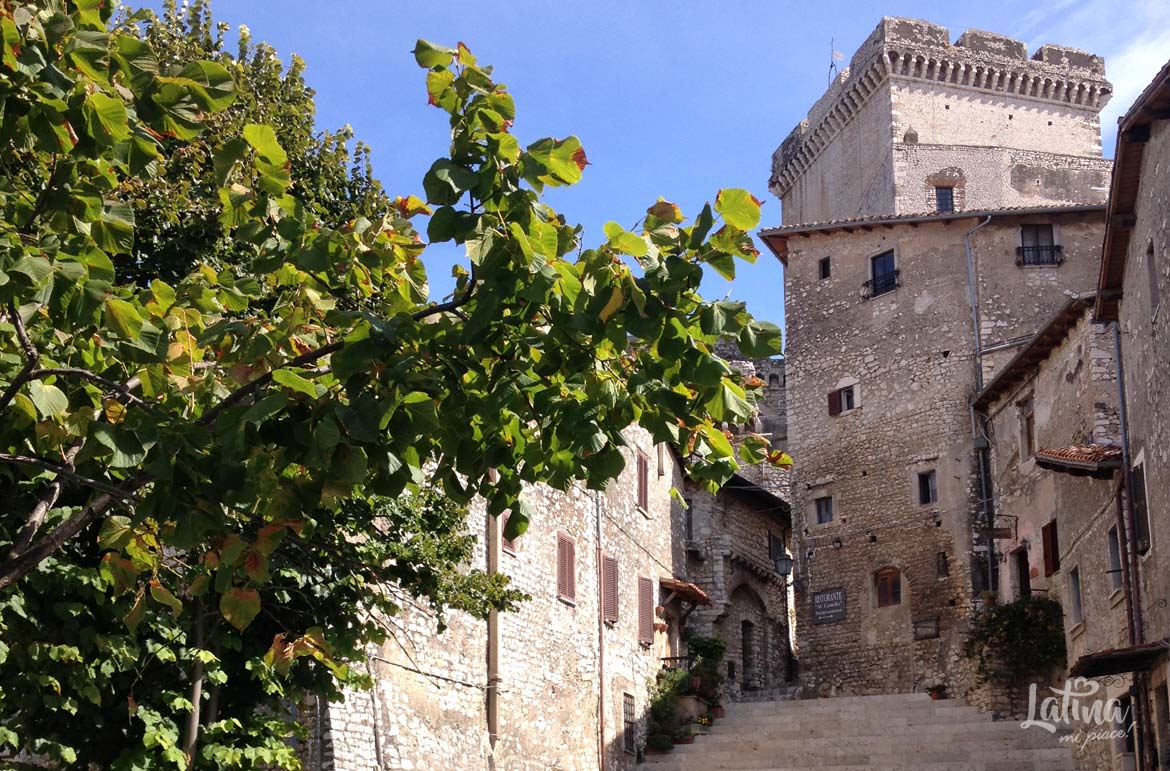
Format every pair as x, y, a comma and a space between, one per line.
566, 568
1051, 548
888, 583
646, 611
1141, 514
835, 402
609, 589
643, 483
508, 545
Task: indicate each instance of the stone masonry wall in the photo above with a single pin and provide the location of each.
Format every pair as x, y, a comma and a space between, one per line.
1145, 341
909, 356
428, 706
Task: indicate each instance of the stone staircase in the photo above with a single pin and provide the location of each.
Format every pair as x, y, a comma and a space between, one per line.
905, 732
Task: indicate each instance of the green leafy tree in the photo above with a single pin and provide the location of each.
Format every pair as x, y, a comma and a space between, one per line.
249, 466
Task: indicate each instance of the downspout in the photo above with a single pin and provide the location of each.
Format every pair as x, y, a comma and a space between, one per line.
1133, 587
600, 637
978, 435
492, 692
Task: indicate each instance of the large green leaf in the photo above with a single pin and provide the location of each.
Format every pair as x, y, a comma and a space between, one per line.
124, 318
738, 207
50, 400
106, 119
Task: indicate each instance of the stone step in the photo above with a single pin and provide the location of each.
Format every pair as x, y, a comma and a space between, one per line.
859, 719
720, 734
862, 757
999, 765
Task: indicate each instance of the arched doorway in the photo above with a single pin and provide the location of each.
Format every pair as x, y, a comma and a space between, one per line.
745, 627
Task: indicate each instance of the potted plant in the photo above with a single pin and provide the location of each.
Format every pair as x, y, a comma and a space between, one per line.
937, 691
990, 599
683, 736
716, 710
658, 744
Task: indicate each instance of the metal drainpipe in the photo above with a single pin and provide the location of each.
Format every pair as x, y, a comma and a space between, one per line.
1137, 635
492, 694
600, 637
981, 459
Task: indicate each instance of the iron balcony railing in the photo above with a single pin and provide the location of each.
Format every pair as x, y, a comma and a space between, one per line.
1050, 254
678, 662
880, 284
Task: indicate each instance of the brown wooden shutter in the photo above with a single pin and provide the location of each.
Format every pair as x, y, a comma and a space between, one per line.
566, 568
609, 590
1141, 515
508, 545
646, 611
835, 402
1051, 548
643, 482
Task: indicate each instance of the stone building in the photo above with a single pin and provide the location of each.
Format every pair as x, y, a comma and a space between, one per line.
940, 203
1134, 284
563, 681
558, 682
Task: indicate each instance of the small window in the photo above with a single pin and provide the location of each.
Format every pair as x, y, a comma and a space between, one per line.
646, 611
629, 724
661, 459
1074, 595
643, 483
824, 506
942, 564
776, 547
888, 586
944, 199
689, 512
884, 276
566, 568
927, 487
1051, 548
842, 400
1128, 724
609, 589
1038, 246
1141, 514
824, 268
1028, 427
1023, 573
773, 380
1151, 279
1114, 545
507, 545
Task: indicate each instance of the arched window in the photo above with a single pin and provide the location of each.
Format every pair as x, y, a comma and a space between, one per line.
888, 587
773, 380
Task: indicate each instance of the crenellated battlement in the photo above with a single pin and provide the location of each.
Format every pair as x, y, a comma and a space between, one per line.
918, 52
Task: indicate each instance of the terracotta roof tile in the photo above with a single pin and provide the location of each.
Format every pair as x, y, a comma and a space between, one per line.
687, 590
1088, 456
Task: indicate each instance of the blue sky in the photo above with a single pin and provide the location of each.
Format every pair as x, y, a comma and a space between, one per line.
671, 99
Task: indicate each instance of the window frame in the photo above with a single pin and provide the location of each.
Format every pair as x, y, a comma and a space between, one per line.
506, 546
930, 477
824, 268
1076, 599
629, 724
830, 508
1139, 503
1027, 408
1152, 276
643, 482
610, 589
1033, 252
949, 199
1113, 554
646, 607
887, 584
566, 568
887, 281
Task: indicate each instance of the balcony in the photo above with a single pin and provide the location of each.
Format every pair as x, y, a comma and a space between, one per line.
1028, 256
881, 284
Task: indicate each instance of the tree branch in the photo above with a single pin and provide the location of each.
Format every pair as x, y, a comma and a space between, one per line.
45, 503
68, 473
15, 569
120, 388
31, 356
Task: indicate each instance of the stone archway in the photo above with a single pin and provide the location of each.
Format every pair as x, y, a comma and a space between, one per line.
747, 629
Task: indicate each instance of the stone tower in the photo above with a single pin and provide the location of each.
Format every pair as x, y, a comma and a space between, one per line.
940, 202
913, 112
